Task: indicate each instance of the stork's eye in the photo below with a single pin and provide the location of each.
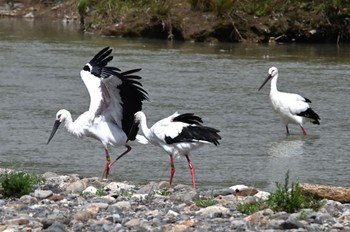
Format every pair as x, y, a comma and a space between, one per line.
86, 68
59, 116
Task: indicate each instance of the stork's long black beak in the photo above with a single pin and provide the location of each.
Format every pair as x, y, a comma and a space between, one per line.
265, 81
54, 129
133, 132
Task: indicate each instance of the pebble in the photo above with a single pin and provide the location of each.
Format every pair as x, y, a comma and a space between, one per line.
71, 203
42, 194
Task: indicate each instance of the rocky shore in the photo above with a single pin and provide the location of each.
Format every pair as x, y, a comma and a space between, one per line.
72, 203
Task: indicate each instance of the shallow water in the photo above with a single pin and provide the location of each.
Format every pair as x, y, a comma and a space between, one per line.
39, 75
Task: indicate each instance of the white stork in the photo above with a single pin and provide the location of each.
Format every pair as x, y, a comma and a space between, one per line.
292, 108
177, 135
114, 99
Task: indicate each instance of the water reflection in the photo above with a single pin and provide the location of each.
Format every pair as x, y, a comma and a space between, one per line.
289, 153
288, 146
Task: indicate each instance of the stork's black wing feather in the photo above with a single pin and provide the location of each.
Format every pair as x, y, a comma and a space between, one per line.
132, 94
307, 100
102, 57
189, 118
99, 62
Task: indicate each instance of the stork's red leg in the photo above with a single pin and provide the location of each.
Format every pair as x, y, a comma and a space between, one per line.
192, 171
304, 131
108, 165
172, 172
128, 148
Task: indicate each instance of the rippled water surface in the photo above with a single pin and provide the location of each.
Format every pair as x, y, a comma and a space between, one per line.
39, 75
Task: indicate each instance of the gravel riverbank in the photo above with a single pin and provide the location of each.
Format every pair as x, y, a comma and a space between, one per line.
72, 203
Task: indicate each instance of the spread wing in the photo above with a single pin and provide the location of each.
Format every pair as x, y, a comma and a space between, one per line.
92, 73
122, 97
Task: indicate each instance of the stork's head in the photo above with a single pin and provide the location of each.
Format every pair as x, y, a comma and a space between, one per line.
138, 117
61, 116
272, 73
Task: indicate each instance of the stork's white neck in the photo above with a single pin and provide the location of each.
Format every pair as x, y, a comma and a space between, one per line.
143, 125
72, 127
274, 84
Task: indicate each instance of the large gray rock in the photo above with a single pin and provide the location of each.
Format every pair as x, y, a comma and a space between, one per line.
341, 194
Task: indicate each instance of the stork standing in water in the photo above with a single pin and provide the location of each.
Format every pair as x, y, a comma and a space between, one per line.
177, 135
292, 108
114, 99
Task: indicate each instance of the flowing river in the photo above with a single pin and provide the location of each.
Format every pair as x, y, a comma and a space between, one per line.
40, 74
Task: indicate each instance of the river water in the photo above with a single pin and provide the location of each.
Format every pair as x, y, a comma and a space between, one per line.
40, 66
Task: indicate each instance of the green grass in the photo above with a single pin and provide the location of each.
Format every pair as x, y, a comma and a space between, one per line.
204, 202
290, 200
100, 191
249, 208
162, 192
17, 184
286, 198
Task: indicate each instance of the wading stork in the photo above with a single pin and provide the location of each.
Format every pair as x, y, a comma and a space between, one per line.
292, 108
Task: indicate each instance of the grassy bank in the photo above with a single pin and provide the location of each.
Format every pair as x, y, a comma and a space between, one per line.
220, 20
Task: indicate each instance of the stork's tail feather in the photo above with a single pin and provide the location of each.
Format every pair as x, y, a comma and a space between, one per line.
195, 133
312, 115
208, 134
316, 122
213, 135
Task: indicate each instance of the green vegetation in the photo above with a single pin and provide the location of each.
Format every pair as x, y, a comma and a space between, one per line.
225, 20
17, 184
100, 191
266, 7
204, 202
250, 208
162, 192
82, 6
283, 199
290, 201
113, 11
302, 216
104, 12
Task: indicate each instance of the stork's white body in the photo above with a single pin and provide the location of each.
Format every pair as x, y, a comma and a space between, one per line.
168, 128
178, 135
96, 127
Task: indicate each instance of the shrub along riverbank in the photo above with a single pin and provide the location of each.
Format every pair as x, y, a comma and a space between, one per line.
221, 20
264, 21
